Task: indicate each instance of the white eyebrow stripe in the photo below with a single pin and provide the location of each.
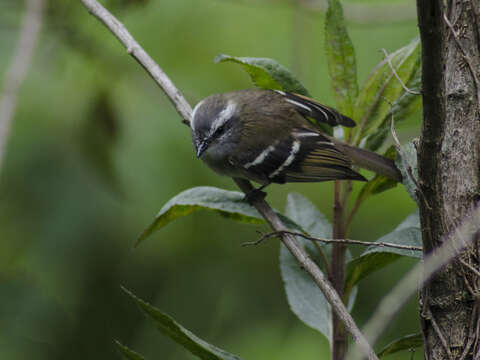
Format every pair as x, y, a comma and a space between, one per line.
223, 116
192, 123
298, 104
280, 92
260, 158
289, 160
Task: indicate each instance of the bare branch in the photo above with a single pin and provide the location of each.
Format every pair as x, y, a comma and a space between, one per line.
263, 208
137, 52
334, 241
440, 335
387, 57
309, 265
18, 68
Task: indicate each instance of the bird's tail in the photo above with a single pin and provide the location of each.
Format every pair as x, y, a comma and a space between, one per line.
371, 161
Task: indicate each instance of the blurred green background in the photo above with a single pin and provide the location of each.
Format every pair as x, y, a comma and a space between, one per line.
96, 149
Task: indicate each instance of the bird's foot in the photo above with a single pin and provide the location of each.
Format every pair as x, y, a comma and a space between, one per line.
255, 194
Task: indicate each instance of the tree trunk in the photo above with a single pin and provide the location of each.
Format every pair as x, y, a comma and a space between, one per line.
449, 174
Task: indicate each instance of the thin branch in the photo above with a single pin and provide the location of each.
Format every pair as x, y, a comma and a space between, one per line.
333, 241
141, 56
470, 267
309, 265
259, 203
471, 335
387, 57
440, 335
18, 68
466, 57
356, 206
337, 271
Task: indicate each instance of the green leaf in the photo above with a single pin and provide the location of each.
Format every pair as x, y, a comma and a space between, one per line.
304, 297
300, 210
230, 204
267, 73
128, 353
410, 152
379, 183
375, 257
382, 89
407, 342
376, 139
341, 58
179, 334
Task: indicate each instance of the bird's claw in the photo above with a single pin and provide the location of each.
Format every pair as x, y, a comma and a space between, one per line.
253, 195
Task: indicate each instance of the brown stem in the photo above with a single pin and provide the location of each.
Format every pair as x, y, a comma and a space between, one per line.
339, 341
310, 266
352, 213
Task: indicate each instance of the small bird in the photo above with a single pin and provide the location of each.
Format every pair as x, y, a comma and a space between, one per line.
265, 136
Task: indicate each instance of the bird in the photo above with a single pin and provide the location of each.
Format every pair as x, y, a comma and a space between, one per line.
266, 136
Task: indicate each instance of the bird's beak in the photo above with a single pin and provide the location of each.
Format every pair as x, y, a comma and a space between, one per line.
200, 147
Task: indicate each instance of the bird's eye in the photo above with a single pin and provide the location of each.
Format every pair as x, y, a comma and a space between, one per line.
221, 129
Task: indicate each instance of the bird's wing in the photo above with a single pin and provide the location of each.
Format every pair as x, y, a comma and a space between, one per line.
311, 108
319, 160
302, 156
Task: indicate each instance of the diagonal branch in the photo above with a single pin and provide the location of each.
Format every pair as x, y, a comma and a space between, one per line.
141, 56
18, 68
309, 265
261, 205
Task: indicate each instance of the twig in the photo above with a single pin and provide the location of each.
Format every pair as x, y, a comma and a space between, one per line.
332, 241
409, 284
470, 267
18, 68
440, 335
337, 272
259, 203
141, 56
471, 335
356, 206
412, 350
466, 57
264, 237
309, 265
387, 57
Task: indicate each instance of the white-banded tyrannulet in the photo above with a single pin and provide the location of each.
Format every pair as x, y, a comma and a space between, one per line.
264, 136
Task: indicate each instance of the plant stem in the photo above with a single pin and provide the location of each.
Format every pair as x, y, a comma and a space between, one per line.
354, 210
337, 271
